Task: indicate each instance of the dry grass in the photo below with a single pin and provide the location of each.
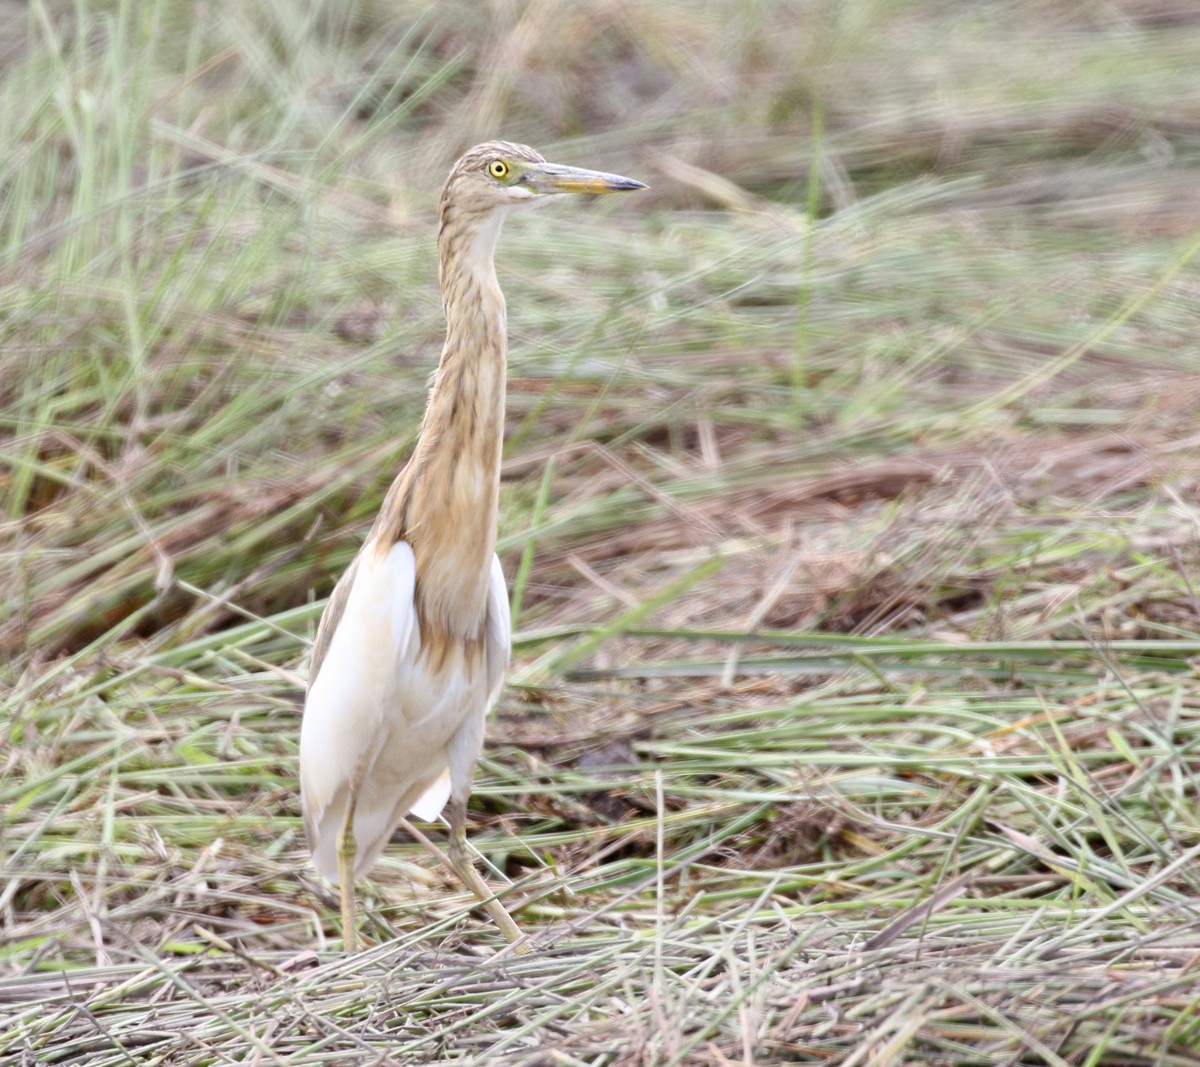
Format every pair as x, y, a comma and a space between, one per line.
854, 716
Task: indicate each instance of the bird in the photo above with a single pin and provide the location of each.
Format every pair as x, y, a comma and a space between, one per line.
414, 642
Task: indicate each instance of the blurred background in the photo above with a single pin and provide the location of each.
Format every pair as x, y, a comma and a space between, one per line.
884, 397
871, 226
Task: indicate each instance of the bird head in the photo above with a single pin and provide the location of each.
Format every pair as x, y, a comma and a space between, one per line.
501, 175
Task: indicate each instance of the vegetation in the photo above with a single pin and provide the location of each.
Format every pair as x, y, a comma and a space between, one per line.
851, 510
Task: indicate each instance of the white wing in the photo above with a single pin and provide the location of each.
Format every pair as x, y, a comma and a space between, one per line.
497, 650
380, 718
349, 697
498, 639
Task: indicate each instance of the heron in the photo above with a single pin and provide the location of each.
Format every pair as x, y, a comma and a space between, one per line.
413, 644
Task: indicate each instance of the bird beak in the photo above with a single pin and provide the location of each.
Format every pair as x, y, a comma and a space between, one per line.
552, 178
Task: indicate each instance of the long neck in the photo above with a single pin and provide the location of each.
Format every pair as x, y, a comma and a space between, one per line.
454, 474
464, 423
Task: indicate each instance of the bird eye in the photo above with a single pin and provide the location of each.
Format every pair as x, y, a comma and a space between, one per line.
497, 168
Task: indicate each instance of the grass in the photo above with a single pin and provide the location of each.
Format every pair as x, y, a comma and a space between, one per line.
852, 511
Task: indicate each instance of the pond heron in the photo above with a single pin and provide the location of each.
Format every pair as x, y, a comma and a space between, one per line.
413, 644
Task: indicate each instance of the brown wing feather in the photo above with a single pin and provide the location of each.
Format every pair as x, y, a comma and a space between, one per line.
335, 607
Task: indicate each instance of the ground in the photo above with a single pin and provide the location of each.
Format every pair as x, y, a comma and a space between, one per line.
850, 507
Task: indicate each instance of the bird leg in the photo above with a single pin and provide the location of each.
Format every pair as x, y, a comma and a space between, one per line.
346, 852
464, 866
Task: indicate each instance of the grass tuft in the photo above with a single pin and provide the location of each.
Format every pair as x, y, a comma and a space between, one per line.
851, 504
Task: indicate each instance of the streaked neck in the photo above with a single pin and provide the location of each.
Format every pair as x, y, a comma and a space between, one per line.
456, 490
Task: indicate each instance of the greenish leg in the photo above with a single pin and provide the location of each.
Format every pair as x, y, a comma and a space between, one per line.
464, 867
346, 853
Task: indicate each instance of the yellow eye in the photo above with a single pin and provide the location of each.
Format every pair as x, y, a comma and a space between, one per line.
497, 168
